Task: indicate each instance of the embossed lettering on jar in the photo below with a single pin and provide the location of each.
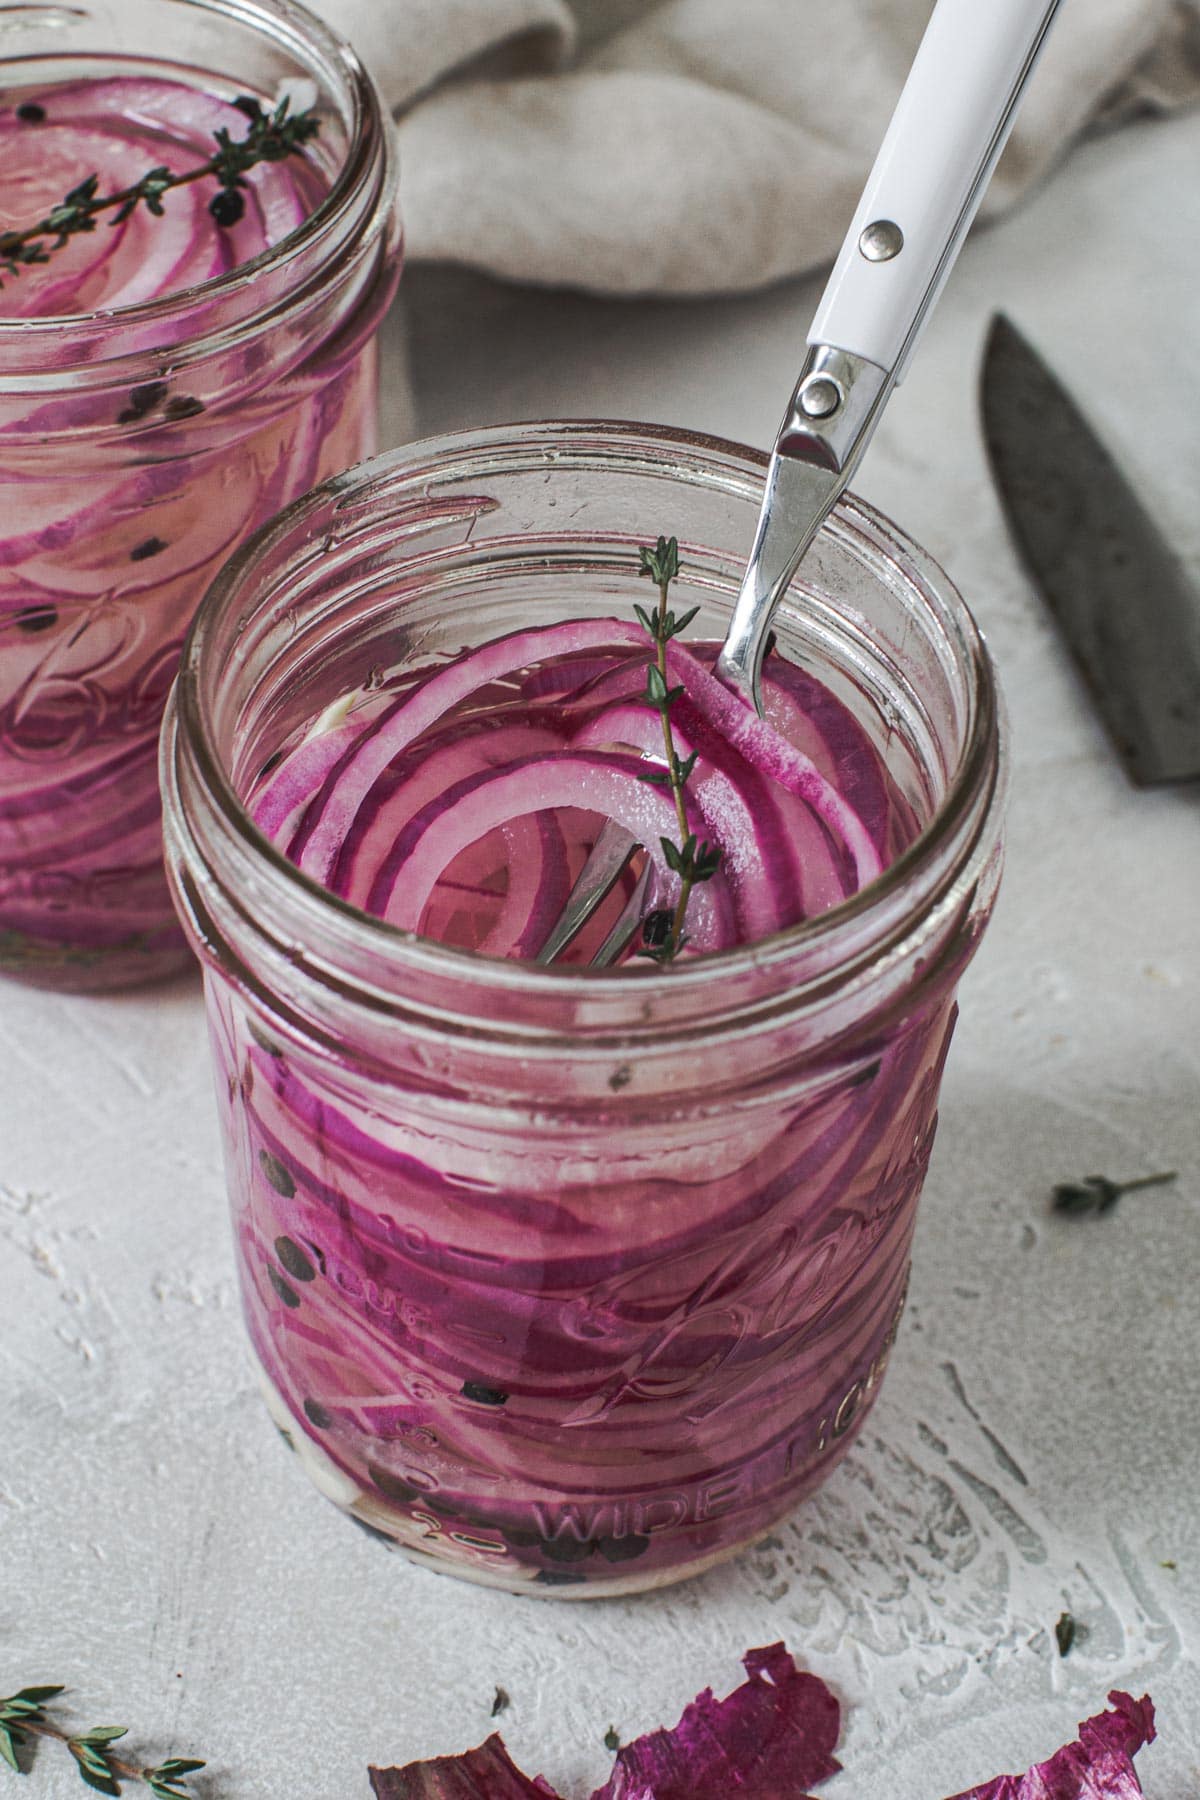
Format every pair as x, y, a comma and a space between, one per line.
167, 382
572, 1281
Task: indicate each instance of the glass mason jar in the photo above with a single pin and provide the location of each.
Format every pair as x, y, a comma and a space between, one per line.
571, 1280
140, 445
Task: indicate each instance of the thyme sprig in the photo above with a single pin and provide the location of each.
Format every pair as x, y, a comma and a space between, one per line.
24, 1716
691, 860
270, 137
1097, 1194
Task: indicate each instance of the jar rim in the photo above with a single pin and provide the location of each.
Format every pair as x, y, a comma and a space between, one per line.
876, 913
368, 129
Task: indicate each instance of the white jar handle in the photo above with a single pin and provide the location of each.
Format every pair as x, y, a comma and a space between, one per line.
950, 124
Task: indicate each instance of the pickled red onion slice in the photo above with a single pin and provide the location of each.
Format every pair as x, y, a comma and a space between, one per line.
606, 783
416, 782
756, 855
336, 807
483, 781
773, 755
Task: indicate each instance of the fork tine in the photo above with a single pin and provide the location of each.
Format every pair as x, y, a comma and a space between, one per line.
632, 914
610, 853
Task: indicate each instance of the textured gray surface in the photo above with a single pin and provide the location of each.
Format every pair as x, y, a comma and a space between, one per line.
1037, 1444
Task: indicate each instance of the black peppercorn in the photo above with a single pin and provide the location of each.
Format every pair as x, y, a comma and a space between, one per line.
227, 206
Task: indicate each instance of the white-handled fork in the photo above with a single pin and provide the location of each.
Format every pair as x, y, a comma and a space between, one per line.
950, 124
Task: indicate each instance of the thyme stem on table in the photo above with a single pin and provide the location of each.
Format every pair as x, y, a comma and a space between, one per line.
1097, 1194
23, 1716
692, 861
270, 137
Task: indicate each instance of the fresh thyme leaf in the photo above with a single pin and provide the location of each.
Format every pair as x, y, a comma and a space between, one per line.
84, 194
1064, 1633
611, 1740
662, 563
84, 1753
270, 137
94, 1769
706, 862
102, 1782
500, 1701
9, 1739
681, 624
656, 687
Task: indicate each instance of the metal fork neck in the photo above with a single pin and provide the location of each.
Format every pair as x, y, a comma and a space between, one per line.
825, 430
832, 408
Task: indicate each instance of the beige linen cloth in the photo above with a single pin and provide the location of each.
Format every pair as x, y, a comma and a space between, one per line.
700, 146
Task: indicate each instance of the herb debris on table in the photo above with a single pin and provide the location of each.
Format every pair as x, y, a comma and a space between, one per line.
1097, 1194
24, 1716
270, 137
773, 1739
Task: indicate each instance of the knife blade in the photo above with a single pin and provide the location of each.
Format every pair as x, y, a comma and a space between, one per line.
1123, 600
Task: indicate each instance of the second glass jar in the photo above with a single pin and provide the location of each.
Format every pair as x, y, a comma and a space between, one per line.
140, 445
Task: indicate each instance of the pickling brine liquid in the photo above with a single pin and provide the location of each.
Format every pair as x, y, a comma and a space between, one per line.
605, 1360
462, 800
119, 502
